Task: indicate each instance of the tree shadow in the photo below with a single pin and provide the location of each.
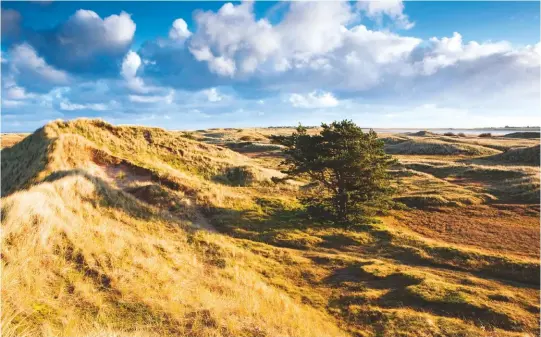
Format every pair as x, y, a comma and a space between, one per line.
394, 291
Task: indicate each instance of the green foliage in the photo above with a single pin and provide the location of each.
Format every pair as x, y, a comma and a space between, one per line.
349, 166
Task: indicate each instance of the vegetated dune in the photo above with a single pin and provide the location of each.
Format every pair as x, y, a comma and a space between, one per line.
436, 147
497, 143
81, 254
393, 140
523, 155
522, 135
506, 183
134, 231
422, 133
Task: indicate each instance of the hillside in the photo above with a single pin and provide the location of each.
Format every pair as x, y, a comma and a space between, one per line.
136, 231
522, 135
523, 155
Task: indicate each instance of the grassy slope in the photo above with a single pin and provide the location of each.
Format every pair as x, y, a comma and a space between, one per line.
109, 234
77, 251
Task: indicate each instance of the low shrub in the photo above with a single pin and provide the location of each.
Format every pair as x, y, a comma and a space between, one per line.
189, 135
485, 135
245, 176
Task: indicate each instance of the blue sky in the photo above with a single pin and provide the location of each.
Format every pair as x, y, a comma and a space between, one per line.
186, 65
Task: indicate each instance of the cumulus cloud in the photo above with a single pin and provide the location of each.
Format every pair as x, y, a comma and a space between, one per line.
8, 103
68, 106
394, 9
313, 41
179, 30
447, 51
86, 28
31, 70
212, 95
84, 44
317, 56
25, 58
147, 99
130, 64
232, 40
313, 100
15, 93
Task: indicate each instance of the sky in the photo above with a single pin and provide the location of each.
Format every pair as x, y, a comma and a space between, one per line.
194, 65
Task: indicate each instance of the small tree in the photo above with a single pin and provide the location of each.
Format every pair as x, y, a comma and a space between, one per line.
348, 165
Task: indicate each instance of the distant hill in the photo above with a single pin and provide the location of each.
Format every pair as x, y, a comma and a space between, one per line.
523, 155
527, 135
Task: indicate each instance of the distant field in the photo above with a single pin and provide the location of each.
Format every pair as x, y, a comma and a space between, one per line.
10, 139
140, 231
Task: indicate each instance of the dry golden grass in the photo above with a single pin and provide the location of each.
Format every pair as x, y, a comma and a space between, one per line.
127, 231
431, 146
10, 139
501, 143
523, 155
77, 253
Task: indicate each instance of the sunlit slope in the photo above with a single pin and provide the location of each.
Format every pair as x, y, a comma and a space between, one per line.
137, 231
80, 255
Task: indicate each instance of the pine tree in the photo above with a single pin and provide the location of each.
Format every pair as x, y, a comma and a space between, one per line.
348, 166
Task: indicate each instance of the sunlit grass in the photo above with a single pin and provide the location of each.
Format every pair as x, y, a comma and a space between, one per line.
127, 231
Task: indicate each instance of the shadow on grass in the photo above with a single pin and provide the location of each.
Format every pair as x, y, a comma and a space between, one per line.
109, 196
22, 162
398, 290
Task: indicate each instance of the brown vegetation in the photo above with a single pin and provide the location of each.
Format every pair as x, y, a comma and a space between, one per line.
133, 231
507, 229
10, 139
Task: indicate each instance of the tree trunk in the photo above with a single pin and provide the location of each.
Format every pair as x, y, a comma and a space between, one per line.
342, 204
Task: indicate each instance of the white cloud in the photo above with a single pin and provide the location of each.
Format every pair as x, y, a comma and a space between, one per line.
447, 51
232, 40
212, 95
25, 60
316, 47
318, 51
313, 100
313, 28
130, 64
68, 106
7, 103
179, 30
85, 43
86, 29
394, 9
167, 99
222, 66
16, 93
